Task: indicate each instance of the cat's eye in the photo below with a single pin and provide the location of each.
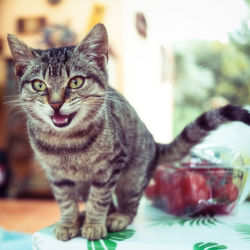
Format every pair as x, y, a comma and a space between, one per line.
76, 82
39, 85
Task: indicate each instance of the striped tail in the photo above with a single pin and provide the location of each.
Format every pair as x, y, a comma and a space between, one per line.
194, 133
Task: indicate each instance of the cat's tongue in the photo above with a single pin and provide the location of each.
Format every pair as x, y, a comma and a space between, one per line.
60, 119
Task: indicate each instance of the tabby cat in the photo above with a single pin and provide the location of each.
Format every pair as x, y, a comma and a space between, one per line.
88, 139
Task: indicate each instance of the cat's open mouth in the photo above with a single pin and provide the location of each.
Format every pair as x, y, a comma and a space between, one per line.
60, 120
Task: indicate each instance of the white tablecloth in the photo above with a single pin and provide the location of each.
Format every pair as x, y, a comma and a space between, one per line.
152, 229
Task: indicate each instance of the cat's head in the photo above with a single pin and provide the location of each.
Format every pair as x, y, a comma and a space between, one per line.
62, 87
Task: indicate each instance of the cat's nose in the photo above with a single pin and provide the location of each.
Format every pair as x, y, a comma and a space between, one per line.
56, 105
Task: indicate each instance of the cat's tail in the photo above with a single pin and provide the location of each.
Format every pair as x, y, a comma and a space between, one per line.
193, 133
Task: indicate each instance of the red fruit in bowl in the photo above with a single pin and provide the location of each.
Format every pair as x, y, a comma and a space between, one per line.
196, 187
151, 192
226, 194
159, 172
174, 202
220, 177
233, 191
170, 182
184, 191
188, 191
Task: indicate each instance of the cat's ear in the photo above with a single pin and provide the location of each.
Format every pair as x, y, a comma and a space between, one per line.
21, 54
95, 44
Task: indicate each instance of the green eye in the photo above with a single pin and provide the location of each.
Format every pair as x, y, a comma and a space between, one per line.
76, 82
39, 85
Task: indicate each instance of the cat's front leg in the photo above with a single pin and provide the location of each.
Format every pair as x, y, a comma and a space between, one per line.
100, 196
65, 194
94, 226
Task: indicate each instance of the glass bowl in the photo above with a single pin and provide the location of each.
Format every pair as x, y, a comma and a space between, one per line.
211, 180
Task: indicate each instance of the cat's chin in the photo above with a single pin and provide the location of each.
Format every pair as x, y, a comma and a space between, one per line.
62, 121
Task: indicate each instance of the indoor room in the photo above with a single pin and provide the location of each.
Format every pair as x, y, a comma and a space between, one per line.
124, 124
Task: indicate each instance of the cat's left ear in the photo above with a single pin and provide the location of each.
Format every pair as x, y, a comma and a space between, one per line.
21, 54
95, 44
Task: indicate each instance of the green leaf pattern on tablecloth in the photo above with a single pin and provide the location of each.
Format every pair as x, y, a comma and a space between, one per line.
208, 246
110, 242
243, 229
197, 221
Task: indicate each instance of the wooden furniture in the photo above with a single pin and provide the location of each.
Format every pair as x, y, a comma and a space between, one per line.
28, 216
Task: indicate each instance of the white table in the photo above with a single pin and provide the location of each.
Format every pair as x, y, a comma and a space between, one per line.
153, 229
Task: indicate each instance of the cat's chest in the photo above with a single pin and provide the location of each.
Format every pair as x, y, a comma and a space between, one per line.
77, 158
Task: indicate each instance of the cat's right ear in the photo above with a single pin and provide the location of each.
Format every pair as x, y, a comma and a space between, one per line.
21, 54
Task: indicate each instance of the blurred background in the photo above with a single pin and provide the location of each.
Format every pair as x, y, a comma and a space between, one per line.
172, 59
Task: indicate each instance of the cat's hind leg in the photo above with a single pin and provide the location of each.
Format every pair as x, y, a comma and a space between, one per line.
118, 221
129, 191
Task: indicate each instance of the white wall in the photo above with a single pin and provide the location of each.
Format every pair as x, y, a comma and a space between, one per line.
152, 98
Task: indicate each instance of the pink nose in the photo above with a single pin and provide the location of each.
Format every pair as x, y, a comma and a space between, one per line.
56, 105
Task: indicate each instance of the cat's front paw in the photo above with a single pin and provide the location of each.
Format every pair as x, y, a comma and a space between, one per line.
66, 232
94, 231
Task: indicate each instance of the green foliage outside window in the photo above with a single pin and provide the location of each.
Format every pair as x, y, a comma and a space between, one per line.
210, 74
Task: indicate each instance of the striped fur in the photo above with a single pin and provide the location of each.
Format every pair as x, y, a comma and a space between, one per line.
196, 131
102, 148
